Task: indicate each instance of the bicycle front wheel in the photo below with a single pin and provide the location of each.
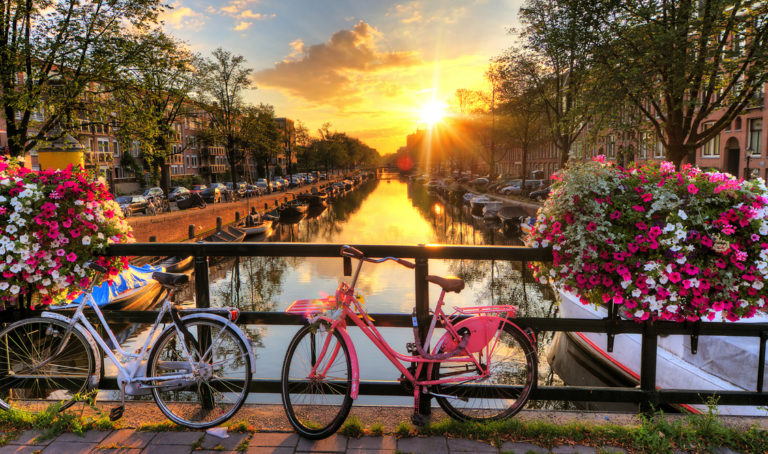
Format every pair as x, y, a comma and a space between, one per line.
206, 387
32, 375
316, 387
512, 364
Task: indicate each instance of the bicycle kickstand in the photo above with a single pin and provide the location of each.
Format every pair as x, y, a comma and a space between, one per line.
117, 412
417, 418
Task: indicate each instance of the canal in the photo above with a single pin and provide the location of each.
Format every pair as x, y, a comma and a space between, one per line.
387, 211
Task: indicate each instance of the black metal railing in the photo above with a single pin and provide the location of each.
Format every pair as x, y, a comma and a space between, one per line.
647, 396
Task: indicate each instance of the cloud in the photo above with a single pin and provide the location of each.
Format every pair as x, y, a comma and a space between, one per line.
235, 7
410, 13
242, 26
413, 13
183, 17
248, 14
335, 71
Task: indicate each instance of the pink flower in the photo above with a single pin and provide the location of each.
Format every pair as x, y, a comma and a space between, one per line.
638, 208
647, 197
71, 257
693, 189
616, 215
591, 226
674, 277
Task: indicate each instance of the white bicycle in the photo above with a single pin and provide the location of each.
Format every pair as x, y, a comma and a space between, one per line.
197, 368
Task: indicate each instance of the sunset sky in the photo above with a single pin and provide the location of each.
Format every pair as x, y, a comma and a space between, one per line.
368, 67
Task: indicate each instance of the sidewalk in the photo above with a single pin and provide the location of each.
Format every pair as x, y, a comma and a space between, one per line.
130, 441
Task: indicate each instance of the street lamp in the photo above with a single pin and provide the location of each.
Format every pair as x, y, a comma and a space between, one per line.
748, 151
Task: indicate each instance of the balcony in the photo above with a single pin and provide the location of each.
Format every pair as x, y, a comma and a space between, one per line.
214, 151
98, 158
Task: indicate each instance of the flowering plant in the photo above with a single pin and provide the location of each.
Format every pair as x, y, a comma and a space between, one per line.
51, 223
659, 243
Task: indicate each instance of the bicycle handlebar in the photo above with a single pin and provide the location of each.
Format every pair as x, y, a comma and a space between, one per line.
349, 251
95, 266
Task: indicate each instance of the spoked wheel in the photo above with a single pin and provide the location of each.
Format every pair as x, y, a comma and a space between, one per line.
317, 403
219, 381
503, 392
31, 379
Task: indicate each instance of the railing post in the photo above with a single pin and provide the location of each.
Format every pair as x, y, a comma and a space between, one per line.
202, 296
648, 367
422, 314
191, 231
218, 223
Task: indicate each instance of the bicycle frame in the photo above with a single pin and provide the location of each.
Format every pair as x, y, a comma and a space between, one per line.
354, 310
78, 319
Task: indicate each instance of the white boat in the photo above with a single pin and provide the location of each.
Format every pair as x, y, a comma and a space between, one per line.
478, 203
468, 196
491, 209
721, 363
257, 229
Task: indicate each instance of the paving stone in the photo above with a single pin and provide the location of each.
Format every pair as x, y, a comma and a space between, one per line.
419, 445
68, 447
30, 437
371, 451
462, 445
92, 436
176, 438
20, 449
334, 443
574, 449
723, 450
117, 451
223, 444
278, 439
385, 443
522, 448
613, 450
127, 438
269, 450
165, 449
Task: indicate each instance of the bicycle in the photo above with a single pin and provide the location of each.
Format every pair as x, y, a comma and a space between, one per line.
198, 368
482, 368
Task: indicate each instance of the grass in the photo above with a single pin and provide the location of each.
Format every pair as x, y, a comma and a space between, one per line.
352, 427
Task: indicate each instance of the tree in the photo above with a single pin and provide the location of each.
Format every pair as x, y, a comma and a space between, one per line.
151, 95
677, 62
221, 83
259, 134
552, 59
52, 53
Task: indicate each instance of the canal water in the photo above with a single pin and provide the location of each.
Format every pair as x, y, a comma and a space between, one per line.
385, 211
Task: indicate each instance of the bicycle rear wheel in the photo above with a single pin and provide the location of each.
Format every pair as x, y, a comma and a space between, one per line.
220, 384
317, 404
500, 394
30, 378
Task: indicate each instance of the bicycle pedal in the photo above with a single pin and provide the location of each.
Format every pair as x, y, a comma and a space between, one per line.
410, 347
116, 413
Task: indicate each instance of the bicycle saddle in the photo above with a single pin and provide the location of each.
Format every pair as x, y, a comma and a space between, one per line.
170, 279
448, 283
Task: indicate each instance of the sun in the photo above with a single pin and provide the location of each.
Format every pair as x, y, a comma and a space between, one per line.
433, 112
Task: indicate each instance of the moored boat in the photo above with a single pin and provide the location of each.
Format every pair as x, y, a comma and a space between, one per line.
720, 364
511, 218
230, 235
491, 209
258, 228
478, 203
293, 209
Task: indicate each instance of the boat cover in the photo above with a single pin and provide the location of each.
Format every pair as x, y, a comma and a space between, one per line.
130, 278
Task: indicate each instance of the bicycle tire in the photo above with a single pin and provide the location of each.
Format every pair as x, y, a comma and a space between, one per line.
224, 387
62, 379
514, 363
316, 408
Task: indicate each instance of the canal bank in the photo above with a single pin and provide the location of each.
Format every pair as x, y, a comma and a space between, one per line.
175, 226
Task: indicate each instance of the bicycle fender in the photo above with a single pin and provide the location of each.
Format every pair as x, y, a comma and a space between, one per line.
352, 359
93, 382
235, 328
482, 330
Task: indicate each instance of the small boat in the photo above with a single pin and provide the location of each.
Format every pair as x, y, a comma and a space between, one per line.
175, 264
478, 203
511, 218
256, 229
721, 363
468, 196
313, 200
293, 209
491, 209
132, 290
230, 235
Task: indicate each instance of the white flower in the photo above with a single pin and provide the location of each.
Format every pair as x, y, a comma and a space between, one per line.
46, 282
681, 260
11, 229
24, 238
636, 293
682, 215
15, 268
757, 285
4, 285
86, 240
15, 289
638, 314
764, 229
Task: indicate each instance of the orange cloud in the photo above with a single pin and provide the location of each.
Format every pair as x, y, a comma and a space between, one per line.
327, 72
182, 17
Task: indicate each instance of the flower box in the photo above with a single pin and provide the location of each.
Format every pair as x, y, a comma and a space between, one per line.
659, 243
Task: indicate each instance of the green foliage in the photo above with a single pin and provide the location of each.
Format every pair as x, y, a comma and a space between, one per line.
352, 427
404, 429
376, 429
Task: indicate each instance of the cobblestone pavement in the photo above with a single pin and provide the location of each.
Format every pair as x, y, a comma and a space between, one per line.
130, 441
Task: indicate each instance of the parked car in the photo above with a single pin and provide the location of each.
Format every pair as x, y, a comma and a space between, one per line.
154, 192
540, 195
157, 197
132, 204
295, 181
514, 187
196, 188
211, 195
263, 187
178, 193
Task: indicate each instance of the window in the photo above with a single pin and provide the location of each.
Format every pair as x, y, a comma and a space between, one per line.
611, 148
135, 149
711, 149
659, 151
643, 146
755, 133
737, 124
103, 146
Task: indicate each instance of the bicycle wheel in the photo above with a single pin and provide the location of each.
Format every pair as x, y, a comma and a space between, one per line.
316, 404
219, 384
503, 392
30, 379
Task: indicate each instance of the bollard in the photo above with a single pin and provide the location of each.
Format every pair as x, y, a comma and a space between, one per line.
218, 223
237, 216
253, 210
266, 206
191, 231
153, 239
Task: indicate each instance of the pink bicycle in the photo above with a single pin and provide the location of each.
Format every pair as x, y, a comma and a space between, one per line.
482, 368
